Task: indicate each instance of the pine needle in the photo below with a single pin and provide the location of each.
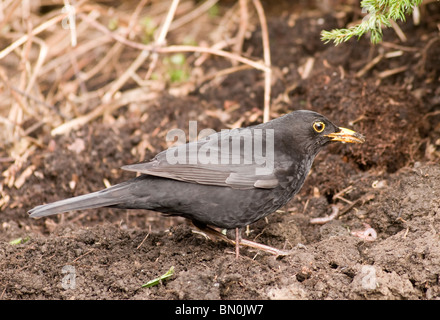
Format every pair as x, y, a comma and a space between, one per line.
380, 13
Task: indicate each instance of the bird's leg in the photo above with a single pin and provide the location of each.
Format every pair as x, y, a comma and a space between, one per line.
237, 243
234, 235
209, 231
248, 243
263, 247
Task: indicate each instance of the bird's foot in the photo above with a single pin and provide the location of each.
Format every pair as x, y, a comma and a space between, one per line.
213, 233
265, 248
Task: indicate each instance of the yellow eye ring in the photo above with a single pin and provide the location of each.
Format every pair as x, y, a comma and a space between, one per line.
319, 126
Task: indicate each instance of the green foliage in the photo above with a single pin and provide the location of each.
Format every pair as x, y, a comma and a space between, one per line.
158, 280
149, 27
19, 240
177, 67
214, 11
113, 24
380, 12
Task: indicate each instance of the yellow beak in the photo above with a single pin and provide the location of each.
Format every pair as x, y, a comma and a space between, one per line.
346, 135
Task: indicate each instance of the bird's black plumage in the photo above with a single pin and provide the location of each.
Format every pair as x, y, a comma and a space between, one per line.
227, 195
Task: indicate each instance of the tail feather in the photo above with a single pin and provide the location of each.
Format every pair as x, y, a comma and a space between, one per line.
104, 198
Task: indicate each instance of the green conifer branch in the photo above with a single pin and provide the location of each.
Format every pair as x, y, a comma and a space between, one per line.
380, 12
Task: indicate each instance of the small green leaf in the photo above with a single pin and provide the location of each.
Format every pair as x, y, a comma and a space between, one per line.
149, 27
178, 75
19, 241
156, 281
113, 24
214, 11
178, 59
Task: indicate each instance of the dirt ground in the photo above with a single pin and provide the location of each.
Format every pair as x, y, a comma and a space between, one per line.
391, 183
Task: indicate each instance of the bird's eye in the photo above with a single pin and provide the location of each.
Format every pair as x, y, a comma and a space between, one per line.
319, 126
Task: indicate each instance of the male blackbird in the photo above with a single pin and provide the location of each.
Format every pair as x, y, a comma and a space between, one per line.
228, 180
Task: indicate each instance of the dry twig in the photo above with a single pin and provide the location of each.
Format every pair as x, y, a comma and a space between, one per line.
267, 62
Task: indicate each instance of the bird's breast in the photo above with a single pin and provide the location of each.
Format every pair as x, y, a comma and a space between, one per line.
291, 177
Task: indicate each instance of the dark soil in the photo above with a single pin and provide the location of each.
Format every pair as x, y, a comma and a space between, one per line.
391, 183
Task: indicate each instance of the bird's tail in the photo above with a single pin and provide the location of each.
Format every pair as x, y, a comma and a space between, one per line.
108, 197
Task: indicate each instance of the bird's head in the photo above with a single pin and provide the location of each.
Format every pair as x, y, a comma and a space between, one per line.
312, 131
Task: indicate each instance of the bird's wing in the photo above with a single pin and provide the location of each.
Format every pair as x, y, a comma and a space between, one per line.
241, 159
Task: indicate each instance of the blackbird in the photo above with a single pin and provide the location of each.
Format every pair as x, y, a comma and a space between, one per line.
228, 179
